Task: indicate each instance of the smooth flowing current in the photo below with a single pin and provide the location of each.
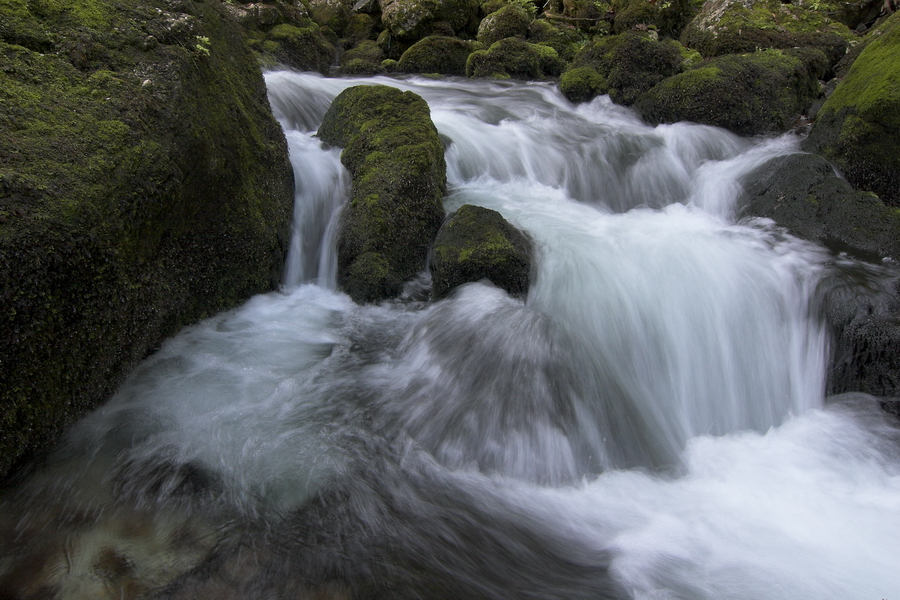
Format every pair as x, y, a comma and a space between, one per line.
649, 423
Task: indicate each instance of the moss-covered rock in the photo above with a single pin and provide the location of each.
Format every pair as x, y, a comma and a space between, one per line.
858, 127
361, 26
303, 48
411, 20
750, 94
143, 185
396, 162
334, 14
477, 243
582, 84
737, 26
364, 59
562, 37
515, 58
668, 18
510, 21
629, 64
437, 54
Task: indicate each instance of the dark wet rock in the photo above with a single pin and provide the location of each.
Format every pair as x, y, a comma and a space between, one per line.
860, 303
396, 160
858, 126
477, 243
143, 185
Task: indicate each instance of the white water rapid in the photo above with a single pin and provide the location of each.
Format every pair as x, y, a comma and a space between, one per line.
649, 424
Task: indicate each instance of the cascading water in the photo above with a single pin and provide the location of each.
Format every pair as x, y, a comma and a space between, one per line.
648, 424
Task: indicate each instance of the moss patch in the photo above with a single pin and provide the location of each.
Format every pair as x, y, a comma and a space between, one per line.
437, 54
515, 58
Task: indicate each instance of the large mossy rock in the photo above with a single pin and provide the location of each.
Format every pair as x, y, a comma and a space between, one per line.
437, 54
738, 26
143, 185
411, 20
477, 243
396, 161
514, 58
750, 94
623, 66
668, 18
858, 127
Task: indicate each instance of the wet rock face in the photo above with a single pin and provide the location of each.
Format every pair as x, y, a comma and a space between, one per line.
143, 185
858, 127
396, 161
477, 243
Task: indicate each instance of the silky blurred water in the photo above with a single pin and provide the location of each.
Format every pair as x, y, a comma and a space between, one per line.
649, 423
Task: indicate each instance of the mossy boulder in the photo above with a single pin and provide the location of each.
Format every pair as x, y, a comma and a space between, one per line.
333, 14
510, 21
562, 37
437, 54
858, 127
667, 18
411, 20
738, 26
303, 48
750, 94
624, 66
364, 59
514, 58
396, 162
477, 243
143, 185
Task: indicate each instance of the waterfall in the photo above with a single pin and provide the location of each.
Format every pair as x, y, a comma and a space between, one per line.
648, 423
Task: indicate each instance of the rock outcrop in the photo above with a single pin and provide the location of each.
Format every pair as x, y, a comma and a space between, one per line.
396, 161
143, 185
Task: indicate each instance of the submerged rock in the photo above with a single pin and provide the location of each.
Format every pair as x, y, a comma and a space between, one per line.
750, 94
478, 243
144, 185
396, 160
858, 127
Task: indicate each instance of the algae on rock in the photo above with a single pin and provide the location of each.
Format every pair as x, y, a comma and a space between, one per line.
396, 161
144, 185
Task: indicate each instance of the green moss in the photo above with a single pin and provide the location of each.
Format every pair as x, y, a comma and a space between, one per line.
437, 54
512, 57
731, 26
302, 47
396, 160
510, 21
581, 84
477, 243
749, 94
858, 127
142, 187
